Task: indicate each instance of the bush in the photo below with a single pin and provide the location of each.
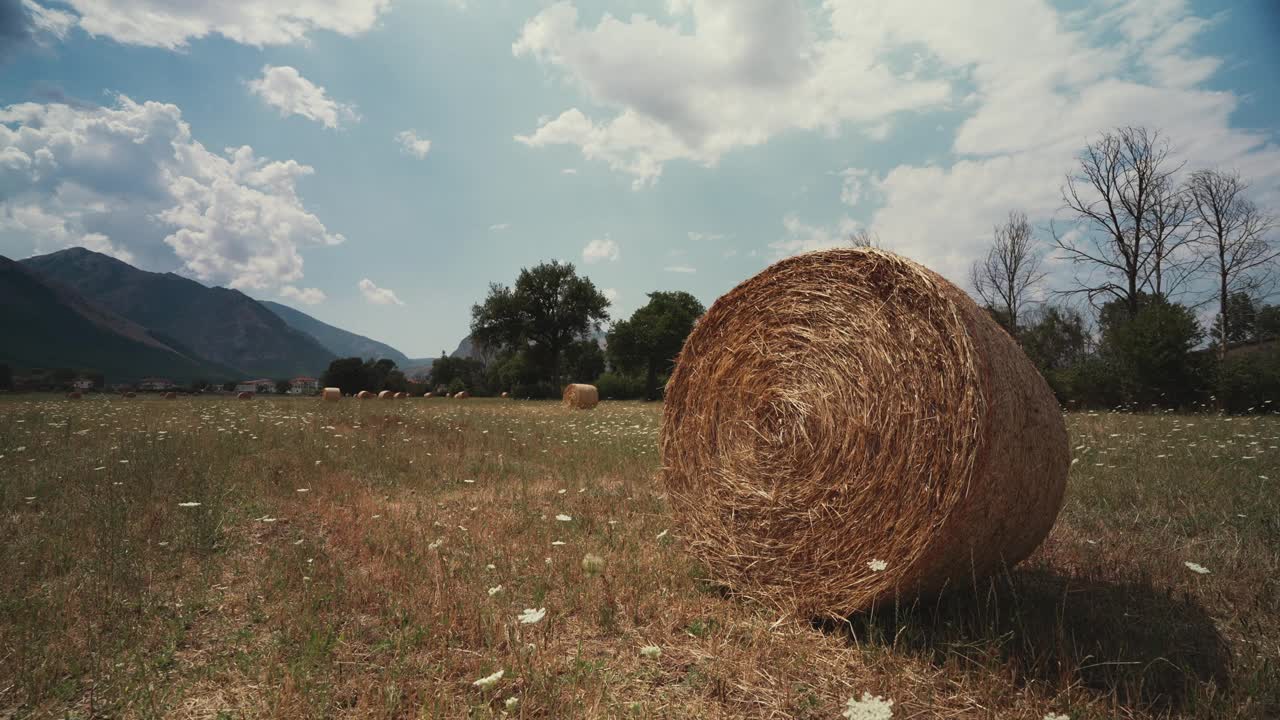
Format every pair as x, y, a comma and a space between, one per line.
1249, 379
535, 391
614, 386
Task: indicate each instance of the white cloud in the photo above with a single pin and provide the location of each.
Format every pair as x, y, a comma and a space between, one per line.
377, 295
746, 71
286, 90
499, 227
172, 23
680, 269
132, 175
411, 144
852, 184
569, 171
802, 237
51, 232
306, 296
611, 294
599, 250
699, 237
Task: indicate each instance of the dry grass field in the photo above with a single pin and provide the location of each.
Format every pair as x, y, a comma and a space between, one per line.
208, 558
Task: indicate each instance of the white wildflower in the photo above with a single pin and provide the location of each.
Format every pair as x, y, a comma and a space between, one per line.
870, 707
653, 652
564, 518
661, 535
488, 681
557, 543
531, 616
1056, 716
188, 504
495, 590
511, 703
436, 544
877, 565
1195, 568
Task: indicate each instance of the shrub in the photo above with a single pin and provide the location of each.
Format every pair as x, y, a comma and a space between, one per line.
615, 386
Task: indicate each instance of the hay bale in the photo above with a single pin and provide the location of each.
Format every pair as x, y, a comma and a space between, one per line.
171, 395
428, 395
244, 395
848, 408
581, 397
331, 394
74, 395
364, 395
506, 394
461, 395
386, 395
131, 394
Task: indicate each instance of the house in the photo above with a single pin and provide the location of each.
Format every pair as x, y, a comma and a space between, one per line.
156, 383
260, 386
82, 384
304, 386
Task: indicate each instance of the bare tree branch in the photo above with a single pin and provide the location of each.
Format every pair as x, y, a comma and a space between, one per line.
1004, 278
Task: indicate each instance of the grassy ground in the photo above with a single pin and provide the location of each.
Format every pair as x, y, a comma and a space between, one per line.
372, 559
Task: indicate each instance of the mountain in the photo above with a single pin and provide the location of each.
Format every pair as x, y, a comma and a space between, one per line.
48, 325
467, 347
336, 340
225, 326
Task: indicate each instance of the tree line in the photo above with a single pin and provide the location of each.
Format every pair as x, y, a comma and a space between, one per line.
1150, 245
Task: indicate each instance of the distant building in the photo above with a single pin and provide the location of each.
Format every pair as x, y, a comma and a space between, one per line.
304, 386
82, 384
260, 386
156, 383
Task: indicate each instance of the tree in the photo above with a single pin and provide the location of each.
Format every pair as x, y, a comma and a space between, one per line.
1149, 354
583, 361
450, 371
1268, 323
6, 377
864, 238
1056, 339
346, 374
549, 307
284, 386
1005, 278
1242, 321
1168, 230
650, 340
1231, 233
1123, 177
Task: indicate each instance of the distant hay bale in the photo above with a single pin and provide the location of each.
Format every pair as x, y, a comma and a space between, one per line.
401, 395
171, 395
74, 395
848, 427
243, 395
581, 397
364, 395
506, 394
461, 395
131, 394
332, 394
386, 395
428, 395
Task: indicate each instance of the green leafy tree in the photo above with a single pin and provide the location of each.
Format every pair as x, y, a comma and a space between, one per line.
6, 377
584, 361
1150, 354
1242, 320
345, 373
1056, 339
446, 371
548, 309
283, 387
647, 343
229, 385
1268, 323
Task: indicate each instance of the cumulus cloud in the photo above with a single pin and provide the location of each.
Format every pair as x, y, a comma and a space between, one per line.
600, 250
411, 144
377, 295
306, 296
680, 269
131, 179
172, 23
24, 23
744, 72
284, 89
611, 294
699, 237
51, 232
498, 227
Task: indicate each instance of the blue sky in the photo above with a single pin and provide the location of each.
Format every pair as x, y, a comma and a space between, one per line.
678, 144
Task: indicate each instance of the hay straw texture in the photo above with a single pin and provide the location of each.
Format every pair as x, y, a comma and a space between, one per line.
364, 395
581, 397
851, 406
332, 394
244, 395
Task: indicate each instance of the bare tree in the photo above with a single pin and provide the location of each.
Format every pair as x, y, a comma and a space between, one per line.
1231, 233
1005, 277
1168, 231
1123, 177
864, 238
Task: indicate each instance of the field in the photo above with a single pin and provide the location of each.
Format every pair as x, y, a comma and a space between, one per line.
208, 558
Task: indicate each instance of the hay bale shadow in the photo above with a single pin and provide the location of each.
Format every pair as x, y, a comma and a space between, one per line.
1149, 649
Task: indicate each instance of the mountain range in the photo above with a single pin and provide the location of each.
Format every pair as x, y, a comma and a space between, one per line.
81, 309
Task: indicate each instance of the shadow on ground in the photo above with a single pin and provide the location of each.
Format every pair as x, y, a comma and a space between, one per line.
1150, 649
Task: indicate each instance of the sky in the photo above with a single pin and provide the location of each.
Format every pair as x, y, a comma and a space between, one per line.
378, 163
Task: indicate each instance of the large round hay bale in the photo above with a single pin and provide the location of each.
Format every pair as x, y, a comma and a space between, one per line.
581, 397
331, 394
506, 394
848, 427
244, 395
364, 395
428, 395
171, 395
131, 394
461, 395
386, 395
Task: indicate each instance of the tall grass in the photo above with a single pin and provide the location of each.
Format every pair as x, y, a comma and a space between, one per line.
341, 558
